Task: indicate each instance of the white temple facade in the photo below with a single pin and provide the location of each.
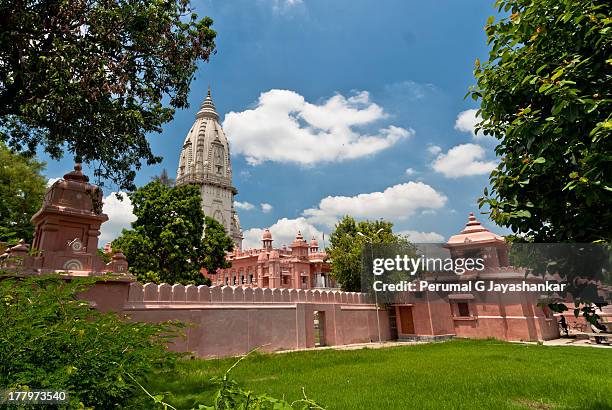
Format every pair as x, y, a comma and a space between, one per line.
205, 161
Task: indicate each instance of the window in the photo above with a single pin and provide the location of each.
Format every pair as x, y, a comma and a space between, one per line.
463, 309
250, 278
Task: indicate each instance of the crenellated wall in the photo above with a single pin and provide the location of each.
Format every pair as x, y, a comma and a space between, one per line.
191, 294
234, 320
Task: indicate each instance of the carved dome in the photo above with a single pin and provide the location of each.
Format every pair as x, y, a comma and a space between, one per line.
474, 232
205, 161
267, 235
205, 157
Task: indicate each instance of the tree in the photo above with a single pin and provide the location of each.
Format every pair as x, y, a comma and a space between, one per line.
165, 243
22, 188
346, 247
216, 244
94, 77
545, 93
164, 178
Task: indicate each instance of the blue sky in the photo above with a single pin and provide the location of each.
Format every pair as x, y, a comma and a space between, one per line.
386, 77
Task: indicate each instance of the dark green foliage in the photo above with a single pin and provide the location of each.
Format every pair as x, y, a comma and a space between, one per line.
22, 188
49, 339
165, 243
545, 93
164, 178
105, 256
93, 78
216, 244
346, 247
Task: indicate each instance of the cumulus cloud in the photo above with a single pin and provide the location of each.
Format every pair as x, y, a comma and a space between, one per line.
265, 208
284, 127
120, 216
410, 90
463, 160
410, 171
52, 181
284, 5
283, 233
466, 122
395, 203
434, 149
247, 206
422, 237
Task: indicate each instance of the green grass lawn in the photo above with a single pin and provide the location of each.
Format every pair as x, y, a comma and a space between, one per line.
460, 374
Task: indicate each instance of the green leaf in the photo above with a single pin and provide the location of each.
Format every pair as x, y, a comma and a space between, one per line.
558, 73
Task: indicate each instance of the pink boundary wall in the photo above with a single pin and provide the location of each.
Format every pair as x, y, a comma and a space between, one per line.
231, 320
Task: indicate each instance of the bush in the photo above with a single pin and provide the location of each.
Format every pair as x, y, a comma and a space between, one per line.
50, 339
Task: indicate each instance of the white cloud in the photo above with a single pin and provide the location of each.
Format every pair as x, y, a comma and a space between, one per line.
284, 127
279, 5
434, 149
120, 216
422, 237
283, 233
410, 171
247, 206
466, 122
265, 208
410, 90
52, 181
463, 160
395, 203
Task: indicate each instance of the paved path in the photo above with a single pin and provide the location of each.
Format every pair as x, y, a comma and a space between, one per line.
575, 342
393, 343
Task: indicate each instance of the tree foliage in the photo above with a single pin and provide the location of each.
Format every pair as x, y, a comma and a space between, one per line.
346, 247
216, 244
545, 93
52, 340
165, 243
22, 188
94, 77
164, 178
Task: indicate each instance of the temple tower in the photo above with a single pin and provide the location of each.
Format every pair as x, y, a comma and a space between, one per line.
205, 161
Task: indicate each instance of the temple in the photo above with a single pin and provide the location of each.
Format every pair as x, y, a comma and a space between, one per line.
205, 161
66, 234
302, 266
278, 299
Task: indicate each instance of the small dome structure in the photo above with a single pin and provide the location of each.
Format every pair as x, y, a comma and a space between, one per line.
474, 232
267, 235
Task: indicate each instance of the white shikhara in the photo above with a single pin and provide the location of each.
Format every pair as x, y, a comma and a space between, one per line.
205, 161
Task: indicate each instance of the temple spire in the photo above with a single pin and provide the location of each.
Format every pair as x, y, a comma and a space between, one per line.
207, 109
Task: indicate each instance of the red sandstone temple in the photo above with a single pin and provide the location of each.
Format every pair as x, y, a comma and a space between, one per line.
277, 298
67, 230
303, 266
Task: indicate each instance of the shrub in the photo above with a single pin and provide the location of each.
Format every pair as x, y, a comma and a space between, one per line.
50, 339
